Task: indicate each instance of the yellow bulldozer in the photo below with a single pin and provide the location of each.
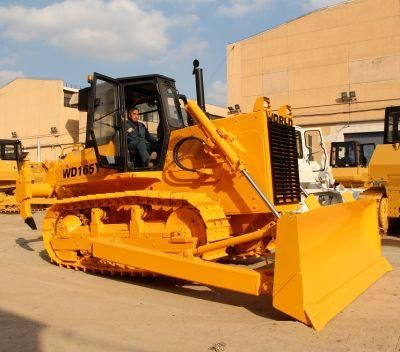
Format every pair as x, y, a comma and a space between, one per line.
375, 170
9, 174
349, 161
217, 206
384, 173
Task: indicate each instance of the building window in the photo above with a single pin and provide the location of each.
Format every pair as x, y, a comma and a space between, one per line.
71, 92
67, 99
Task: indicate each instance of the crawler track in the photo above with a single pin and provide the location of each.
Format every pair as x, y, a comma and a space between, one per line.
10, 206
210, 211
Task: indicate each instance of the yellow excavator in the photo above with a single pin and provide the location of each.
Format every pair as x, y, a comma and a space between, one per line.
9, 174
217, 206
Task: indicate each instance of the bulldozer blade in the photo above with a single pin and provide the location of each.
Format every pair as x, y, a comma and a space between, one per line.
325, 258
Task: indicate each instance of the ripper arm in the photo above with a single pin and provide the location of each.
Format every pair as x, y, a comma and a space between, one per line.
26, 190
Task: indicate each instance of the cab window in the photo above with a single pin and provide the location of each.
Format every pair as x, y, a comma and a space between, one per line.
8, 152
105, 111
174, 112
346, 155
393, 134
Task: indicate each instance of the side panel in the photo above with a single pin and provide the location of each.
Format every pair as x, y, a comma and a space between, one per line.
384, 162
385, 167
349, 176
250, 140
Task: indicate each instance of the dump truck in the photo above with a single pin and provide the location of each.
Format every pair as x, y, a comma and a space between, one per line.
314, 170
217, 207
9, 174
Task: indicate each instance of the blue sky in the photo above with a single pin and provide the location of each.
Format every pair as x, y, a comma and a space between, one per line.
69, 39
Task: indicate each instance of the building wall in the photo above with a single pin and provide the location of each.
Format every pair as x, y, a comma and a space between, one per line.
309, 61
30, 107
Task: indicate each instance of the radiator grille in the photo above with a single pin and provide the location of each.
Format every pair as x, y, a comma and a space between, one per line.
285, 169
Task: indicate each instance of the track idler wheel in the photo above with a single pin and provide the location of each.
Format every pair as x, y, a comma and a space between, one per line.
185, 225
65, 226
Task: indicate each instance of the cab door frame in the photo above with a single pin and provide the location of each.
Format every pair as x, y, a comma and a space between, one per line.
107, 161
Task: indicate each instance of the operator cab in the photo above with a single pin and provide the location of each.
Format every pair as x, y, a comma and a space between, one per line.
351, 154
108, 102
11, 149
392, 131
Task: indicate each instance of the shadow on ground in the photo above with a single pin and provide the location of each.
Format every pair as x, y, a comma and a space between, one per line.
391, 241
261, 306
25, 244
18, 333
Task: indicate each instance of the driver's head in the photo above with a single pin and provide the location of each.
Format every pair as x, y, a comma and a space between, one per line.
134, 114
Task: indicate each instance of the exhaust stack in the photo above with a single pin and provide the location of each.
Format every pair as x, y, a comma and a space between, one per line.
198, 74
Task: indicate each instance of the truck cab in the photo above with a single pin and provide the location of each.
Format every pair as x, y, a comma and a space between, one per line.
314, 172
